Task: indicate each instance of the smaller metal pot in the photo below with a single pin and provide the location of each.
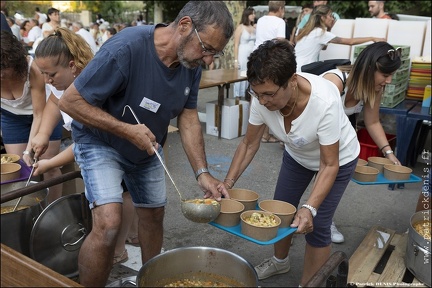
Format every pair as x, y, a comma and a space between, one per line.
418, 252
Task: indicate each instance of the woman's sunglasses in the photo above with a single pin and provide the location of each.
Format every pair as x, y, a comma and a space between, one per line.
393, 53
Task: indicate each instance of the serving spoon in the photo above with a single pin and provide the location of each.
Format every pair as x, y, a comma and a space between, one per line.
196, 211
27, 183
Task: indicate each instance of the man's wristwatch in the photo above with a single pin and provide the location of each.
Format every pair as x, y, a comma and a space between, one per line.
388, 152
311, 209
200, 171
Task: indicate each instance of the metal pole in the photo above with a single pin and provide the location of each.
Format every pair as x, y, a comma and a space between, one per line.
39, 186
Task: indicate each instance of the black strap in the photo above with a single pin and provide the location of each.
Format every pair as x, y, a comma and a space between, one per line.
344, 76
343, 81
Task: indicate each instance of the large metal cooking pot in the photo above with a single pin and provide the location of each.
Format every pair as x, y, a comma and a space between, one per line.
418, 252
16, 226
198, 263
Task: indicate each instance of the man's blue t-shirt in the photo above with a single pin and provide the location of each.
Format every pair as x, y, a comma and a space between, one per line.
127, 71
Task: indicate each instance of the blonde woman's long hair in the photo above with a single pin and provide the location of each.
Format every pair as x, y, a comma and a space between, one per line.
67, 46
315, 21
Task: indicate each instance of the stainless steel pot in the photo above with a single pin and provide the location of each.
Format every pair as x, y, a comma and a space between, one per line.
17, 226
418, 252
199, 263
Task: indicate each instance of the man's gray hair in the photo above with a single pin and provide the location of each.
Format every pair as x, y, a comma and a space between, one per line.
78, 24
208, 13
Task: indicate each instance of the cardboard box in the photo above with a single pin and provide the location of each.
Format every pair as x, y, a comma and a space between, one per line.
74, 186
235, 118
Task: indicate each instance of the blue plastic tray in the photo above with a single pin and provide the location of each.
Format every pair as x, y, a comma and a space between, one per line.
236, 230
382, 180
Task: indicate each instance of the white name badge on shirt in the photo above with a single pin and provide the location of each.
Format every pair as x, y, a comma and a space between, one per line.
150, 105
299, 142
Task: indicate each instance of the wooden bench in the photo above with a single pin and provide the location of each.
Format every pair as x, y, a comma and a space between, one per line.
379, 261
19, 270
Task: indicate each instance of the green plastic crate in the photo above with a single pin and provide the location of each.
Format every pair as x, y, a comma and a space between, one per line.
405, 63
400, 75
405, 53
391, 101
405, 50
396, 88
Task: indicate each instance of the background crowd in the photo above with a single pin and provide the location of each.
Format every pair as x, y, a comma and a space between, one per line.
32, 29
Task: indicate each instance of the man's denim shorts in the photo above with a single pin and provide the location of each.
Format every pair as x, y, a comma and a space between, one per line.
103, 168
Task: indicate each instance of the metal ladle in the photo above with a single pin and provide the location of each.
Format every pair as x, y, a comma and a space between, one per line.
196, 212
27, 183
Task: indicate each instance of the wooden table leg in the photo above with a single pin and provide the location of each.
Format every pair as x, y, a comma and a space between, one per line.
220, 104
227, 87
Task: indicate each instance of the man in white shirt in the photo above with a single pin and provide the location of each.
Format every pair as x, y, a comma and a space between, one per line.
14, 27
271, 25
34, 33
41, 17
77, 27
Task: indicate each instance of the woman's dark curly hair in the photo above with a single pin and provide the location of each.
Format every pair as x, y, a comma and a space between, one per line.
13, 54
274, 60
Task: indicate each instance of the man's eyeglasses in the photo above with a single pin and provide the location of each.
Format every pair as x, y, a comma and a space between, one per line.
252, 93
393, 53
208, 52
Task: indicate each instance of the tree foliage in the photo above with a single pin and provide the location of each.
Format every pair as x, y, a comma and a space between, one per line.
170, 8
112, 10
25, 9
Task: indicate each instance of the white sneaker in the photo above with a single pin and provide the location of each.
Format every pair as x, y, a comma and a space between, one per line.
336, 236
270, 267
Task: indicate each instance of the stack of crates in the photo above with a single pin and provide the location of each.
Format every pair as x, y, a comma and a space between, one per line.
395, 92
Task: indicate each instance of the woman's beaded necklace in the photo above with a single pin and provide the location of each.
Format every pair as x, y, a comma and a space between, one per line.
292, 109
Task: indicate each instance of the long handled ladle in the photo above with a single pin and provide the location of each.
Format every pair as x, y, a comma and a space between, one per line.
28, 181
196, 212
156, 152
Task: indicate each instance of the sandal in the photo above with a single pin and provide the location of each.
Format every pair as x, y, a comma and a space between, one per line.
269, 139
133, 240
123, 257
